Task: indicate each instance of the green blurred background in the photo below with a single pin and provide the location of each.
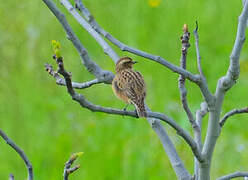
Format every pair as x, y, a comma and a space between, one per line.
42, 118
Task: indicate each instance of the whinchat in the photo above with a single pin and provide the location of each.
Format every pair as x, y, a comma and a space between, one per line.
129, 85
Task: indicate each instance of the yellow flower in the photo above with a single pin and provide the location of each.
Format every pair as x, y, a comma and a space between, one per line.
154, 3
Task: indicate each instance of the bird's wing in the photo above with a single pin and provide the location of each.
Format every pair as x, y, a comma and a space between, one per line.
135, 87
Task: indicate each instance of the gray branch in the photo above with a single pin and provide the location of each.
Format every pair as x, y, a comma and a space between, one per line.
95, 108
183, 91
90, 65
106, 48
20, 153
170, 149
200, 113
177, 163
181, 81
233, 175
76, 85
224, 84
234, 68
231, 113
214, 103
124, 47
194, 78
198, 51
181, 172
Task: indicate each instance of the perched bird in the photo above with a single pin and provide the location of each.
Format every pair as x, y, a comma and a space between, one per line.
129, 85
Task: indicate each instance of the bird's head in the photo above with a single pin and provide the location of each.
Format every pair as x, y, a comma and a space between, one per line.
124, 63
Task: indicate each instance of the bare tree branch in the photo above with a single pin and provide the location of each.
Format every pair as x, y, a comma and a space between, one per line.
177, 163
68, 169
194, 78
95, 108
200, 113
183, 91
231, 113
90, 18
181, 81
214, 103
107, 49
122, 46
198, 51
76, 85
20, 153
234, 68
233, 175
224, 84
90, 65
170, 150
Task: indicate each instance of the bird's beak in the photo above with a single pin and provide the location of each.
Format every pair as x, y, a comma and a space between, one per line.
134, 62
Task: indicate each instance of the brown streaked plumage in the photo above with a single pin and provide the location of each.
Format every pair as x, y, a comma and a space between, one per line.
129, 85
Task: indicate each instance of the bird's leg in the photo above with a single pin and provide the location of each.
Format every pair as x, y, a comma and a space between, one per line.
136, 113
125, 108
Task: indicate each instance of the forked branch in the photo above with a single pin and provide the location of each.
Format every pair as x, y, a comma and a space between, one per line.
85, 103
107, 77
76, 85
95, 27
91, 66
68, 169
194, 78
181, 81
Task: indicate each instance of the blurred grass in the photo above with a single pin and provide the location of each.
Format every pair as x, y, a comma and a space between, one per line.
42, 119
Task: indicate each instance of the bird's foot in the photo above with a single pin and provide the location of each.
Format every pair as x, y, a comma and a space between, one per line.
135, 111
125, 108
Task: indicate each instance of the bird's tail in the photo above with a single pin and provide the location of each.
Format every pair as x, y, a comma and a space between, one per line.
140, 108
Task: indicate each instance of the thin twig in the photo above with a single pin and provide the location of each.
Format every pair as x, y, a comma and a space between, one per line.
233, 175
181, 80
183, 93
231, 113
198, 51
76, 85
95, 108
68, 169
20, 153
